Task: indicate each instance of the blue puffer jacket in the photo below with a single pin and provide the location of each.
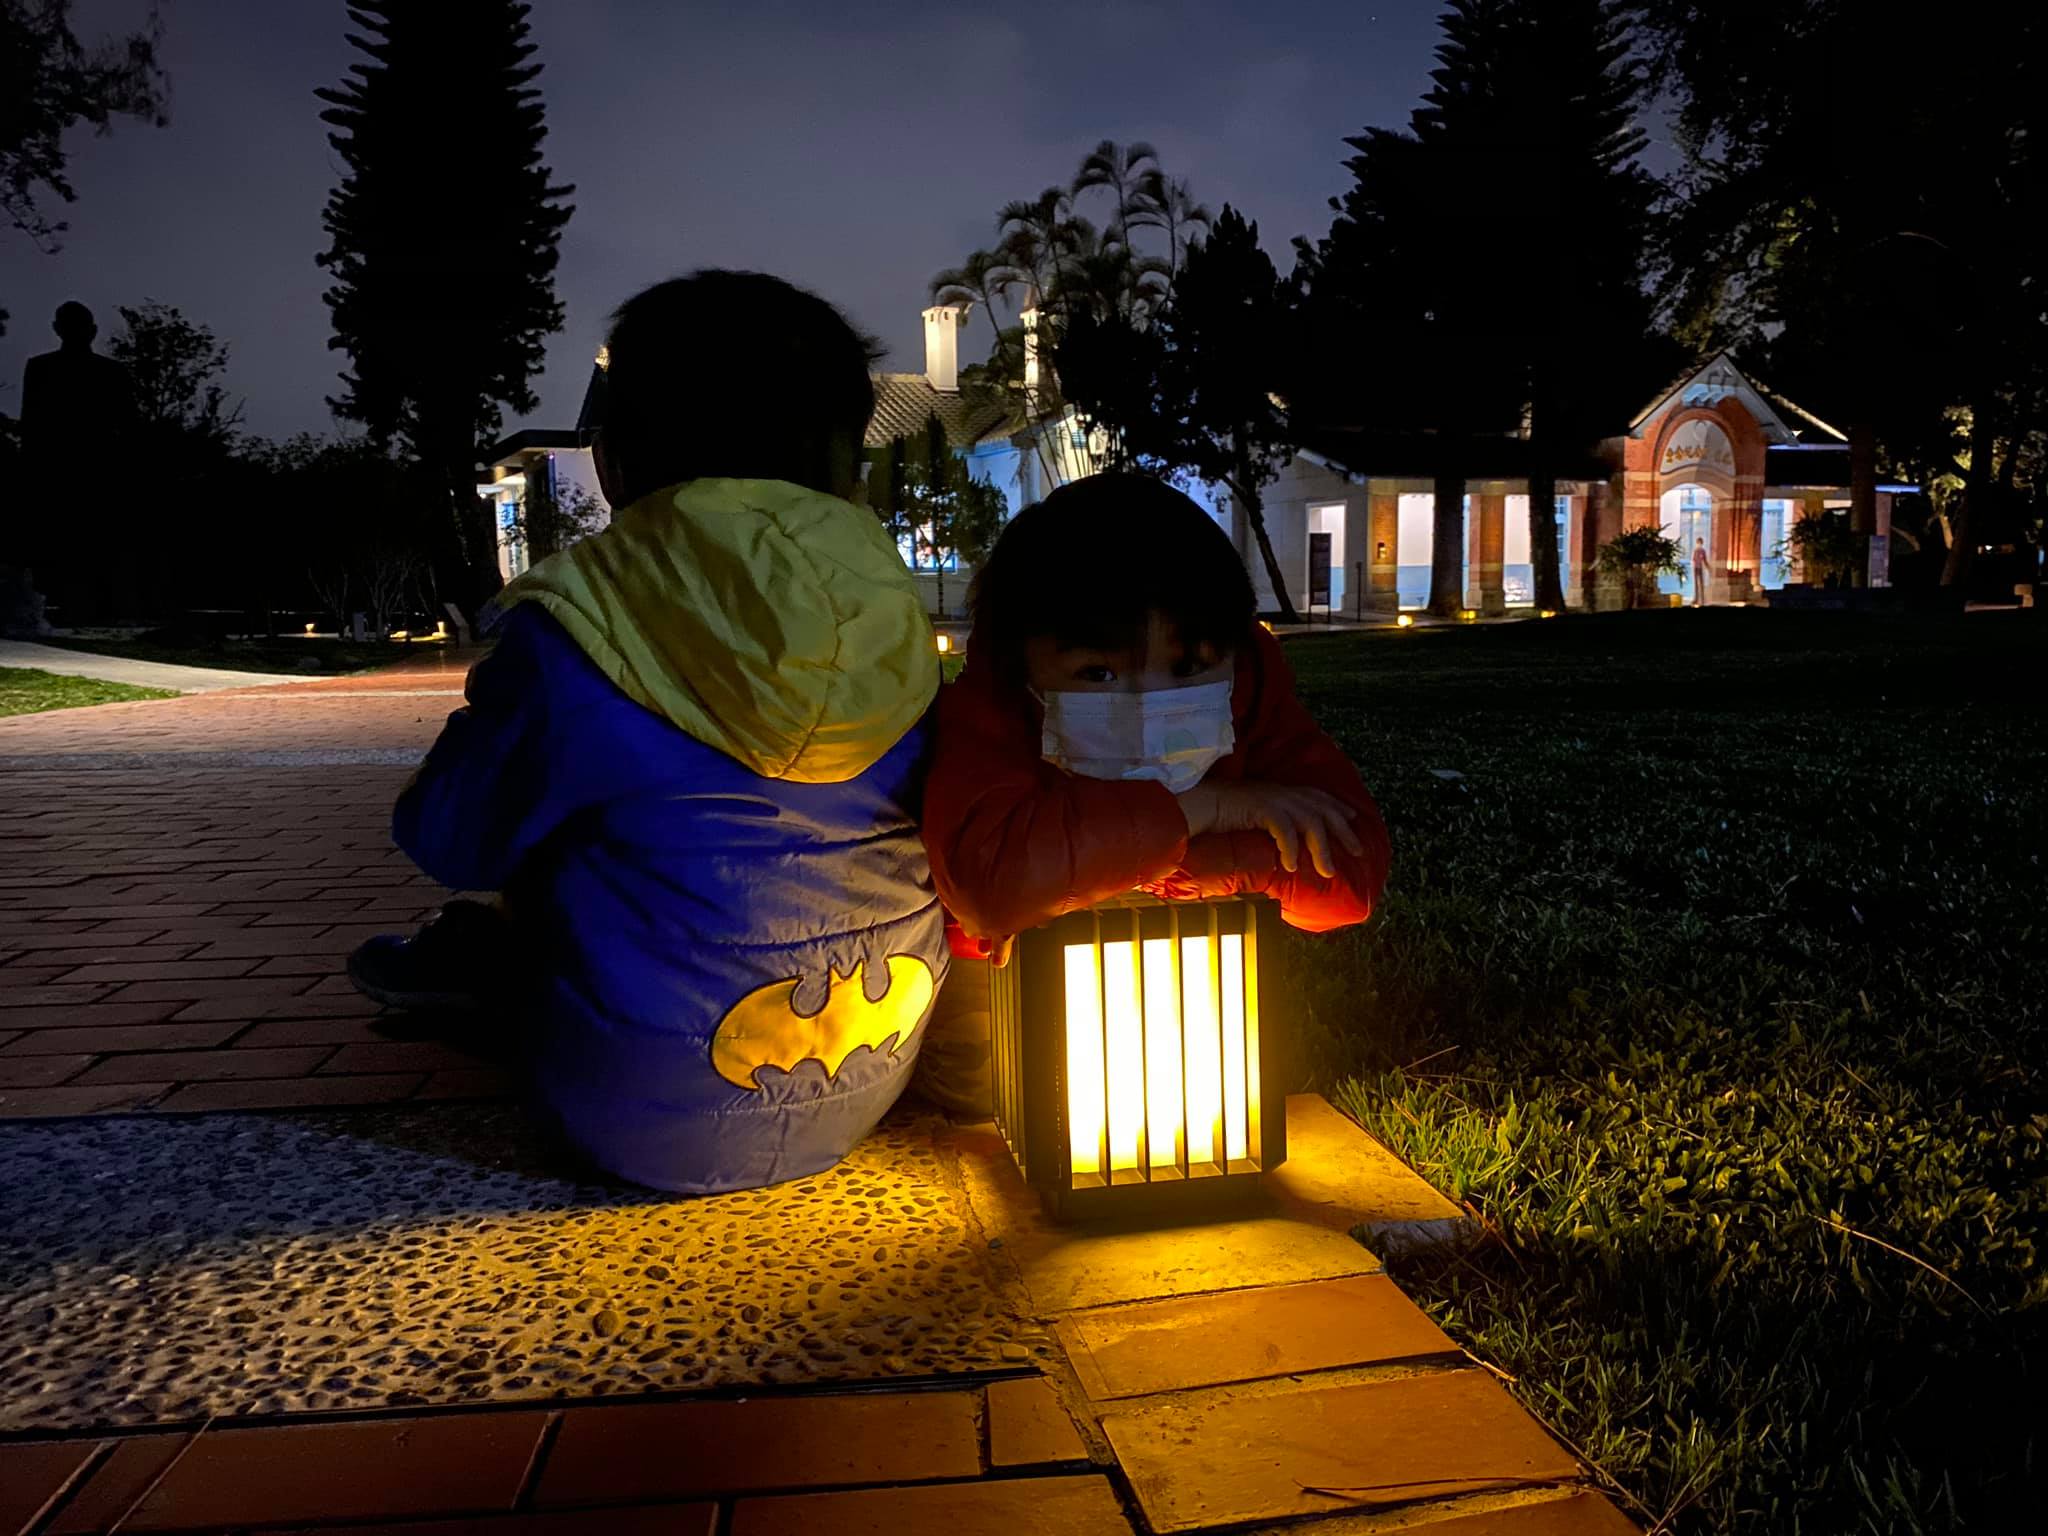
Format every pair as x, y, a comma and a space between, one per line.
728, 972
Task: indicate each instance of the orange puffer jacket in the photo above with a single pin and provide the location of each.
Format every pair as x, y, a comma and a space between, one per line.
1015, 841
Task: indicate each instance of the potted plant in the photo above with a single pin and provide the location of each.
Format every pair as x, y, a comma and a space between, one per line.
1638, 558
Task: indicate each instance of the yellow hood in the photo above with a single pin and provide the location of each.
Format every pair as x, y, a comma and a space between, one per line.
774, 623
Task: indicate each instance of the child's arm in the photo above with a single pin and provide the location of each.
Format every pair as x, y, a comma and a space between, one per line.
1283, 746
490, 790
1015, 841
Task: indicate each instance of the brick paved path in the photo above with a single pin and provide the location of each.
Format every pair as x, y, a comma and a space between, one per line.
182, 881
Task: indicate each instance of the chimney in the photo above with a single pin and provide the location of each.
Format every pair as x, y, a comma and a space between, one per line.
942, 324
1029, 318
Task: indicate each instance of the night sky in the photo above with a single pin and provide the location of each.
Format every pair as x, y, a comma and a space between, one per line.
856, 149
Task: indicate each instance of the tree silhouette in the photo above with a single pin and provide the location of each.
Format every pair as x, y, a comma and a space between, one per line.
1890, 236
50, 82
1221, 367
1397, 278
443, 321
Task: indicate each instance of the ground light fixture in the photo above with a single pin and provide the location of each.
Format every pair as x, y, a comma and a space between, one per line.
945, 644
1405, 621
1132, 1055
309, 631
1468, 616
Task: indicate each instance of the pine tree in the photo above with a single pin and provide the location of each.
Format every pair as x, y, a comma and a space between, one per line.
1221, 368
444, 232
1496, 250
1556, 124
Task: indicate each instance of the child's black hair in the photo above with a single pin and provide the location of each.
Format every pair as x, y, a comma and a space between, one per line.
1088, 564
734, 374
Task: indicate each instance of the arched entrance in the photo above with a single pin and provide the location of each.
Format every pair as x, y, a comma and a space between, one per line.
1698, 474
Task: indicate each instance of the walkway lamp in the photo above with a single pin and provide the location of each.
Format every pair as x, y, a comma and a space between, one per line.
1133, 1056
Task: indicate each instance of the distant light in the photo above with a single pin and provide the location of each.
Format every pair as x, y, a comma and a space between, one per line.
401, 634
1405, 621
1469, 616
1547, 613
945, 644
309, 629
441, 630
604, 357
1265, 626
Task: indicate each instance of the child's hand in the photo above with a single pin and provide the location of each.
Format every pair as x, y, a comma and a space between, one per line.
1294, 817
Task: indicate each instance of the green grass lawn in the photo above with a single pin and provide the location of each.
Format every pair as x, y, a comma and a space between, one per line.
1717, 987
27, 691
322, 656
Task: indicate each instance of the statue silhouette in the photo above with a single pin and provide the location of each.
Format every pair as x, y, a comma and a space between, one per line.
77, 420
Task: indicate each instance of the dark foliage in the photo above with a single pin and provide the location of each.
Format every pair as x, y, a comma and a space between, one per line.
443, 236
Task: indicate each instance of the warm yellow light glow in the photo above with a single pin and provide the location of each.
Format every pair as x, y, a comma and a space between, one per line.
1547, 613
400, 634
1162, 1053
1160, 1071
1405, 621
1236, 1133
1265, 626
1084, 1061
1126, 1055
1469, 616
441, 630
1202, 1032
309, 629
945, 644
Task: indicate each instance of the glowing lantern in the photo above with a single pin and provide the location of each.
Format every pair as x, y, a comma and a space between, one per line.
1132, 1051
309, 629
945, 644
1469, 616
1405, 621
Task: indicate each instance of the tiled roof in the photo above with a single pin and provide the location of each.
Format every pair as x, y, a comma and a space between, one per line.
905, 401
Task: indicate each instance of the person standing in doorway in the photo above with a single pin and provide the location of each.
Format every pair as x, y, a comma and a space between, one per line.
1699, 573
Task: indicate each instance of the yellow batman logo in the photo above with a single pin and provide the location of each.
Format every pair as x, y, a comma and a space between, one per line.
763, 1029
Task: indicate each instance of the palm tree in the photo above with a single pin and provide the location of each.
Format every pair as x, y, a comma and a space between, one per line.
1121, 170
981, 279
1166, 203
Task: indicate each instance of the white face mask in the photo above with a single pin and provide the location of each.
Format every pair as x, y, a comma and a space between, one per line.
1172, 735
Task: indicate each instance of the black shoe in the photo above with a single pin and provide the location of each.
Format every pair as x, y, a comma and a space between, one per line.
447, 967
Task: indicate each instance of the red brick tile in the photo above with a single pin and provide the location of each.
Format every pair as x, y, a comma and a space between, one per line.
325, 1005
291, 1093
116, 1483
215, 989
1070, 1506
1579, 1514
1267, 1331
1028, 1427
60, 936
342, 1031
122, 952
691, 1449
120, 1037
72, 1099
270, 943
144, 912
382, 1470
23, 976
31, 1476
647, 1520
228, 1065
165, 970
471, 1083
40, 1071
397, 1056
300, 965
1262, 1452
48, 996
87, 1015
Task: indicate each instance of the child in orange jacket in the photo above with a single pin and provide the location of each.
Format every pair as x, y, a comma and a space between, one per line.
1124, 722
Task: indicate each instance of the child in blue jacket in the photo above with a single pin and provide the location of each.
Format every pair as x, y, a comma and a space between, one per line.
690, 766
